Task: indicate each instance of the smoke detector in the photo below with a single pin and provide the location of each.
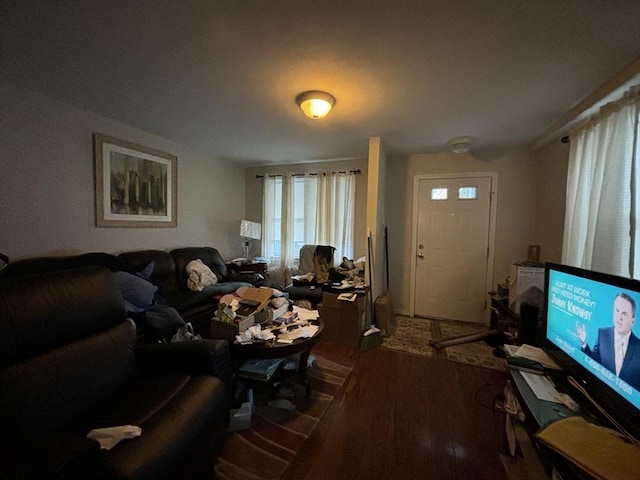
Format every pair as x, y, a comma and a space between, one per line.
460, 144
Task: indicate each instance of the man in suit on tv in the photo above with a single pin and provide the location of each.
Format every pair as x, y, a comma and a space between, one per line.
617, 348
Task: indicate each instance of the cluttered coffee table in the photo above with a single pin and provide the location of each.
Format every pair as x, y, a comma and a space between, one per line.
259, 353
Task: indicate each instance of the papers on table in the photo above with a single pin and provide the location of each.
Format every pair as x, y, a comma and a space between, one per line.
541, 387
301, 332
305, 314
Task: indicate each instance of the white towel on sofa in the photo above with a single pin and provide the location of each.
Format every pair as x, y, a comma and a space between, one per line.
200, 275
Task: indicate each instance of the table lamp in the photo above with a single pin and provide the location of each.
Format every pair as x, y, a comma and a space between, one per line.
249, 230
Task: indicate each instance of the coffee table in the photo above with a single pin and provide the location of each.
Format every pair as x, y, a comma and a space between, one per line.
273, 349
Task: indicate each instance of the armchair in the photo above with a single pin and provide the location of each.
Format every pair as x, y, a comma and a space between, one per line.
315, 260
69, 363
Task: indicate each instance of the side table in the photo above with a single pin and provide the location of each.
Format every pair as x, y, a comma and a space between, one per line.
273, 349
254, 267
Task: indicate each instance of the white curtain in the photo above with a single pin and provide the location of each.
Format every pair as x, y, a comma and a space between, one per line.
310, 209
335, 219
271, 196
600, 215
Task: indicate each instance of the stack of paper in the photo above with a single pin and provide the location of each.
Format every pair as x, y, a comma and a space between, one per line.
528, 357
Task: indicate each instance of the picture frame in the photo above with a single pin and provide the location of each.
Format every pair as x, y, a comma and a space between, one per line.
136, 186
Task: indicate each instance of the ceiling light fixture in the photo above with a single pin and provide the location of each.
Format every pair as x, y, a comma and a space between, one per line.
460, 144
315, 104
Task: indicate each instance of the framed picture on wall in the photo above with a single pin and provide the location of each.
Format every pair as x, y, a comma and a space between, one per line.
135, 186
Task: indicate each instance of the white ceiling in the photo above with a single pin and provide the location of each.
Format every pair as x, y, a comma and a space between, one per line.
221, 76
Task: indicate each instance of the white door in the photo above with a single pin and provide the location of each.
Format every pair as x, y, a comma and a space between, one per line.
453, 244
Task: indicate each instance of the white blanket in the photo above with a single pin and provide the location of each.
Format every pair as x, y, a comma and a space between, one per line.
200, 275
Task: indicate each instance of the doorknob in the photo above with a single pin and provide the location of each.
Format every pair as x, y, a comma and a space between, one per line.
421, 256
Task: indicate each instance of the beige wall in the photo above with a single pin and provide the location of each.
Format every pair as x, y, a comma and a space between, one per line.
47, 194
551, 163
516, 208
254, 193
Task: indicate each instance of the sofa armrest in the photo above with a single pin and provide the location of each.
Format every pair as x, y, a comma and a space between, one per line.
197, 357
49, 455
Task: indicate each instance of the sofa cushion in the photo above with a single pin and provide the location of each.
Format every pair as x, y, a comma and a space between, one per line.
187, 299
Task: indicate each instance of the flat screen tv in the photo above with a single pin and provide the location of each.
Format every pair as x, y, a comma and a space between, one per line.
585, 312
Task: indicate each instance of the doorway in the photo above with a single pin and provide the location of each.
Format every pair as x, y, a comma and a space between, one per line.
453, 239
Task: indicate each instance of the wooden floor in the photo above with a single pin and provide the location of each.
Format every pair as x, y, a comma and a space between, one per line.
402, 416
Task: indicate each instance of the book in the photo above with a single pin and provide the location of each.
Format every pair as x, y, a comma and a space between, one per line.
286, 318
260, 369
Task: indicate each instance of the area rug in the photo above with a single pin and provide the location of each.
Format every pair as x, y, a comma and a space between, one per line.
478, 353
265, 450
413, 334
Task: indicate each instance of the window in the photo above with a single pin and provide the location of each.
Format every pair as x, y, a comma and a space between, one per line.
603, 197
467, 193
310, 209
439, 193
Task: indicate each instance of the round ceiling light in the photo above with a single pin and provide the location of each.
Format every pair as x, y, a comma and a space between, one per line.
315, 104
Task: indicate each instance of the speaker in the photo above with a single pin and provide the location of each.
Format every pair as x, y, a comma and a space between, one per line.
528, 324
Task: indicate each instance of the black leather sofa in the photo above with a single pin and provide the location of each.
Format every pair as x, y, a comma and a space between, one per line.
70, 363
167, 272
170, 275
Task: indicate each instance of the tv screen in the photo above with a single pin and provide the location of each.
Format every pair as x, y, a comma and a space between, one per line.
587, 312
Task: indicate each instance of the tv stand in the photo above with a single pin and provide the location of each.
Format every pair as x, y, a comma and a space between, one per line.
537, 414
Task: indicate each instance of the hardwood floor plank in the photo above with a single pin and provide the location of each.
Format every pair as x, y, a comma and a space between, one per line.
406, 416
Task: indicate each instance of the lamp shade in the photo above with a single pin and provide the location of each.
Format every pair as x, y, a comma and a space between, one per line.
250, 229
315, 104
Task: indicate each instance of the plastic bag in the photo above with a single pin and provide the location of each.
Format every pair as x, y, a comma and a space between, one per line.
185, 333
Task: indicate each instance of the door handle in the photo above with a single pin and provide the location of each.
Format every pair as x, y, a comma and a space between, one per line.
421, 256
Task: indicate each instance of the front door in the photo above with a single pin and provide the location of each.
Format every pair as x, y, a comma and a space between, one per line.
453, 244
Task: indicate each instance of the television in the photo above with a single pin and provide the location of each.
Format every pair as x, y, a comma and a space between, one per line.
583, 309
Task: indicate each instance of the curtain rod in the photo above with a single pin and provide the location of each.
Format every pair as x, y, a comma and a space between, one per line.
341, 172
567, 138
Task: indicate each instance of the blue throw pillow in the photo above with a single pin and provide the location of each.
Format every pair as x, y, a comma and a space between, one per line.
147, 271
135, 290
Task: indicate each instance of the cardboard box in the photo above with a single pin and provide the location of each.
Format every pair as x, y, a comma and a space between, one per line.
228, 331
526, 285
262, 295
344, 321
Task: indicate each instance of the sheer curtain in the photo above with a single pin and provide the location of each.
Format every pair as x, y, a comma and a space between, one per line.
335, 219
307, 209
599, 229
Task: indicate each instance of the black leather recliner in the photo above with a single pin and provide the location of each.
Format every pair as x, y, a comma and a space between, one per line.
69, 363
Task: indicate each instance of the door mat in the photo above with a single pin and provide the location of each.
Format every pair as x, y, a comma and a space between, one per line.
413, 335
265, 450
